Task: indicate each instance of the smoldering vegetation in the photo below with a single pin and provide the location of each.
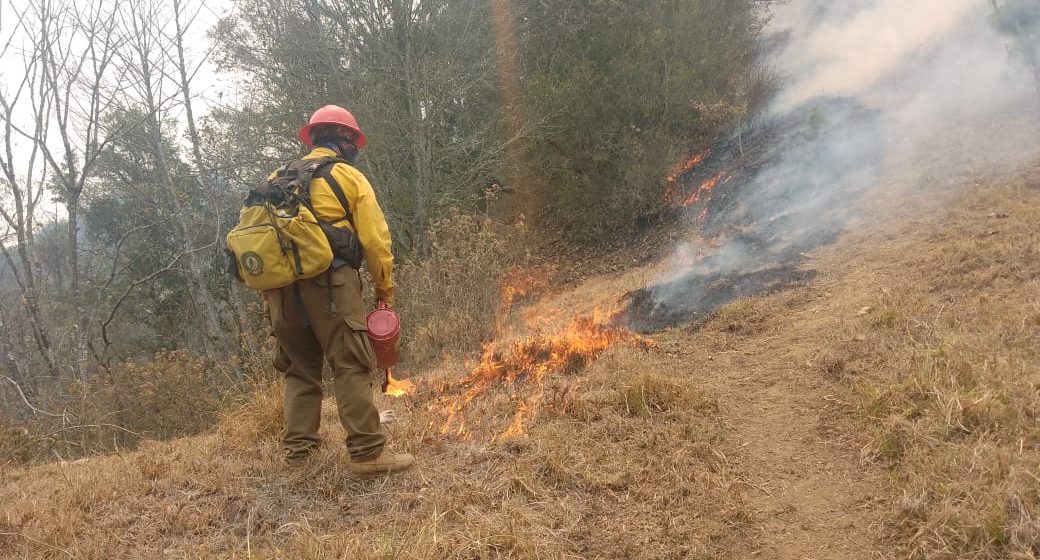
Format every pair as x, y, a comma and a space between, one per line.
872, 90
789, 184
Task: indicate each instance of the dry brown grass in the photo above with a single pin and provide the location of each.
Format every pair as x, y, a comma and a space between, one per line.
940, 337
624, 468
173, 394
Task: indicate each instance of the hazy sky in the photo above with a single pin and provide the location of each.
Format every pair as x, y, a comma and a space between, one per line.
208, 84
209, 87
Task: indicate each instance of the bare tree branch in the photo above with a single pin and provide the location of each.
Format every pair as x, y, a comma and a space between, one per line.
35, 410
139, 282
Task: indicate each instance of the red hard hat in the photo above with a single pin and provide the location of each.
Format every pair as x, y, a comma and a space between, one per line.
332, 114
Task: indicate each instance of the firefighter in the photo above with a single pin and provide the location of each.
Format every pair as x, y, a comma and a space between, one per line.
323, 319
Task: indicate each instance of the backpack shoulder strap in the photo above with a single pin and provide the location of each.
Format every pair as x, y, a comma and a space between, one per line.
324, 171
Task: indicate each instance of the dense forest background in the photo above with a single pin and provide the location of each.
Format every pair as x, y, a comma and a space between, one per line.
490, 121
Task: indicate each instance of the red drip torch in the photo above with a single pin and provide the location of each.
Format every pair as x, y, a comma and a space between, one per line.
384, 330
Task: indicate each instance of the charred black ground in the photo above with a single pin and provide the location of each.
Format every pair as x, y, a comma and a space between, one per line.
789, 184
697, 297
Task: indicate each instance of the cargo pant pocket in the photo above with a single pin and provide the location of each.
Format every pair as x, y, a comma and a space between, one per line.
352, 349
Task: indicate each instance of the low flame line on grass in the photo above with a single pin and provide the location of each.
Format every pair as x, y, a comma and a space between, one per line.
532, 361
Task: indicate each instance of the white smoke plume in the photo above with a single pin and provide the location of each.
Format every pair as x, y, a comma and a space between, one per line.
933, 68
876, 94
845, 48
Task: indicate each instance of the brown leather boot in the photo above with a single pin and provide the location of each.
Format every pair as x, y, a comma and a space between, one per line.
384, 463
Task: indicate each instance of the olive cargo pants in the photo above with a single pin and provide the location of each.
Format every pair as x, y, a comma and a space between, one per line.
323, 319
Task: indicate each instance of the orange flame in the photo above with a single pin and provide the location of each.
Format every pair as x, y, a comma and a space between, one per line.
704, 190
680, 168
703, 194
531, 361
397, 387
676, 199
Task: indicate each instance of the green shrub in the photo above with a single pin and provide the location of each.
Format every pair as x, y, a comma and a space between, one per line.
622, 90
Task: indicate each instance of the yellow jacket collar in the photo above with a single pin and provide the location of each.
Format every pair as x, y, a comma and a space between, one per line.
320, 152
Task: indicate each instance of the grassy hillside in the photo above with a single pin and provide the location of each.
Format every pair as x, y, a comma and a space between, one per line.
887, 410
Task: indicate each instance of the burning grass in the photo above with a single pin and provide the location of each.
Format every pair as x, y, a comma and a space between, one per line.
526, 365
677, 194
567, 438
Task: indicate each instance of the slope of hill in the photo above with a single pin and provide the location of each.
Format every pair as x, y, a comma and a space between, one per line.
888, 409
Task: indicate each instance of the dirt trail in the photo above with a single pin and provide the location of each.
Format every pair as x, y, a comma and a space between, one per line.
814, 496
809, 494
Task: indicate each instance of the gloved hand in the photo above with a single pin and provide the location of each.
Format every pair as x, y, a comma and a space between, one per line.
386, 297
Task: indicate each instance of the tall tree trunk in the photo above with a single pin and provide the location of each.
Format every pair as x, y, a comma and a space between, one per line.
29, 287
421, 163
212, 308
411, 104
205, 308
76, 289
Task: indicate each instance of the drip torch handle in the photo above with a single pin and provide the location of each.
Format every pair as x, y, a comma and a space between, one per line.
381, 304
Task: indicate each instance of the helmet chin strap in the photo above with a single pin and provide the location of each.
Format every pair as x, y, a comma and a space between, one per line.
344, 149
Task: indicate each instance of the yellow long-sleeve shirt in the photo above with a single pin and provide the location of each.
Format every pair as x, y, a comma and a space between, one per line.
372, 229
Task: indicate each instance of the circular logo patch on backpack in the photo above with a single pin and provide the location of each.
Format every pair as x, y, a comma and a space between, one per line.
253, 264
